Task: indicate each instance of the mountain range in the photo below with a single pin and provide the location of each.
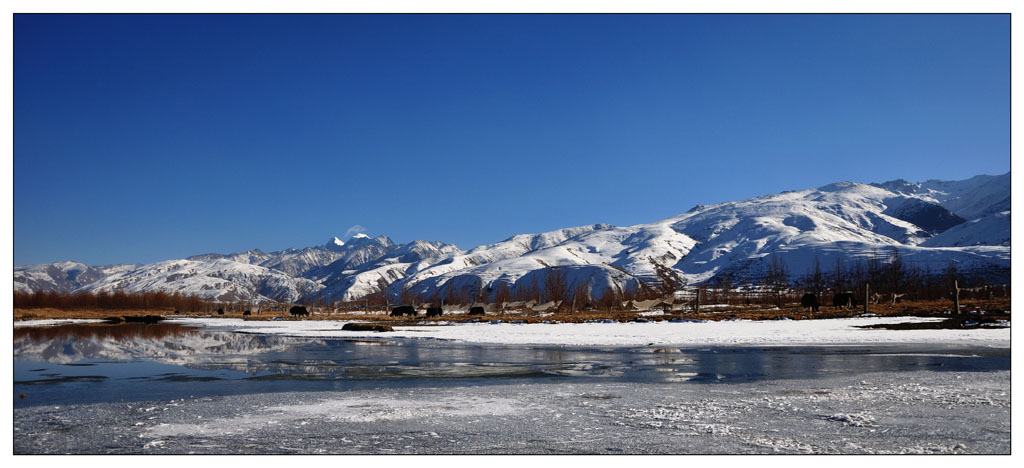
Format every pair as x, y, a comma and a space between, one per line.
930, 224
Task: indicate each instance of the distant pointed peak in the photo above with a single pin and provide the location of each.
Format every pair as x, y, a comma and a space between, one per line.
334, 243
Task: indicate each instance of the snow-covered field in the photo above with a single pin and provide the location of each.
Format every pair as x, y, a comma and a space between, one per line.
920, 412
721, 333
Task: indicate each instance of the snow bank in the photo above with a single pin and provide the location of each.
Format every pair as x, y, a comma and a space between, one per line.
49, 322
723, 333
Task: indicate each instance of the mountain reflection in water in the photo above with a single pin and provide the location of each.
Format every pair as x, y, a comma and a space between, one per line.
127, 362
101, 331
161, 342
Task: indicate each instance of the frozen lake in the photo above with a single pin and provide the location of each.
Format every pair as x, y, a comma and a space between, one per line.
170, 388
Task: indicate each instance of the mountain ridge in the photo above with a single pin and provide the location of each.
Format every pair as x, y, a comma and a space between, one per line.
930, 223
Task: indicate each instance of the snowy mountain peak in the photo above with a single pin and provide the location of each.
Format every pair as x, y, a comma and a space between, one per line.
334, 244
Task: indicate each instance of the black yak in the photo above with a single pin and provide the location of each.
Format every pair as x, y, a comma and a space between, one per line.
403, 310
477, 310
248, 312
220, 311
843, 300
298, 310
810, 300
434, 312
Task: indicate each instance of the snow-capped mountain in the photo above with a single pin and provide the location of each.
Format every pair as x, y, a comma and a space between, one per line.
220, 279
970, 199
61, 276
930, 224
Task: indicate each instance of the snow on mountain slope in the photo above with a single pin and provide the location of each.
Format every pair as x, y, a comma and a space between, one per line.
294, 262
60, 276
600, 255
993, 229
369, 277
970, 198
220, 279
845, 221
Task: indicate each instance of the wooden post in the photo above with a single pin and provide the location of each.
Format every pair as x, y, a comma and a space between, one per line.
696, 304
956, 298
866, 296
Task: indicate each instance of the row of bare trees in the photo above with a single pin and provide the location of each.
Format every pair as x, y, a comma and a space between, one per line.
888, 277
892, 278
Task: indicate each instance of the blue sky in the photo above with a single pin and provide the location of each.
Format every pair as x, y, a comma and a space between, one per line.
145, 138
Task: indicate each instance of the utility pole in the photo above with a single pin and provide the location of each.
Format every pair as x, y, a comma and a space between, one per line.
866, 295
956, 298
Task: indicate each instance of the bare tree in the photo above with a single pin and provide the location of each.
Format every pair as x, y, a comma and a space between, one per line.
777, 279
501, 293
895, 274
556, 284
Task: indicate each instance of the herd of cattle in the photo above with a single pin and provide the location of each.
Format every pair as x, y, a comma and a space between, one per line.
431, 311
844, 300
809, 301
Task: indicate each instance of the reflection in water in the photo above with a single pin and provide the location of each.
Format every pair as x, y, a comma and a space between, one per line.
63, 333
139, 361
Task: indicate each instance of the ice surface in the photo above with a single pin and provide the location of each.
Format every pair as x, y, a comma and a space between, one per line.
721, 333
875, 413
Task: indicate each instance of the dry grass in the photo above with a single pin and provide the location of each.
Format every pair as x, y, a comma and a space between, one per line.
753, 312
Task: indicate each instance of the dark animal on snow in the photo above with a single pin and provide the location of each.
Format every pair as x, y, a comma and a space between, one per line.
810, 301
177, 312
403, 310
434, 312
248, 312
298, 310
220, 311
844, 300
476, 310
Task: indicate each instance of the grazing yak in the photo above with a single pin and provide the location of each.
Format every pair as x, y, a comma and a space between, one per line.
403, 310
476, 310
844, 300
810, 301
220, 311
248, 312
298, 310
434, 312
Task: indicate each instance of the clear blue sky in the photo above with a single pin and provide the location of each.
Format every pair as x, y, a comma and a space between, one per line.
145, 138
